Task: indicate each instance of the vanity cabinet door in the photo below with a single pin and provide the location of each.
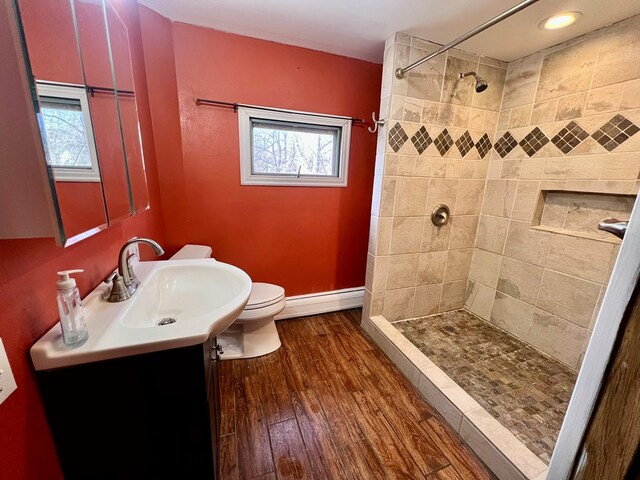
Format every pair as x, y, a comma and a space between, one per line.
144, 417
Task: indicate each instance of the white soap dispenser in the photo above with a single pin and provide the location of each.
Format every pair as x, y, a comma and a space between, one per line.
74, 328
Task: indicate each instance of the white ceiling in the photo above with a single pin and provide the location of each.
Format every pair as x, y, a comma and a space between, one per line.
358, 28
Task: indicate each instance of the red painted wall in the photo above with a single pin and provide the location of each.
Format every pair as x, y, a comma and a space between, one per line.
305, 239
27, 273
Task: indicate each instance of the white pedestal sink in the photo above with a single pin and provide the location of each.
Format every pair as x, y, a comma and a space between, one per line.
179, 303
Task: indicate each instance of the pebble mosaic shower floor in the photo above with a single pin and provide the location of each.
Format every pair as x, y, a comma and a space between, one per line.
523, 389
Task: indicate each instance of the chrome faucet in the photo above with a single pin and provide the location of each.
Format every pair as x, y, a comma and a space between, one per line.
125, 283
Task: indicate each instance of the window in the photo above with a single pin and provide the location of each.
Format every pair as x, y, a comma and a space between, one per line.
71, 150
293, 148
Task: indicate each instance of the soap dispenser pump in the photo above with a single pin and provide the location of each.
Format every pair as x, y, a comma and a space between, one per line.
74, 328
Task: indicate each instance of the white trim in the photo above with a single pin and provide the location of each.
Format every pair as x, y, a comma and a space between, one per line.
62, 174
245, 114
323, 302
585, 394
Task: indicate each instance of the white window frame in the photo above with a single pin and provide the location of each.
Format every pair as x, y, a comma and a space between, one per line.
78, 93
247, 177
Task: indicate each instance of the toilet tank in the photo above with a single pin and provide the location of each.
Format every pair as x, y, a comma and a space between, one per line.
192, 252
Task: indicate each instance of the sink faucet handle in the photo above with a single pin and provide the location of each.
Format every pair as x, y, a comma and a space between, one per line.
109, 278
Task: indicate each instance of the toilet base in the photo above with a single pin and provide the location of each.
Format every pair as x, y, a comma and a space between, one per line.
248, 340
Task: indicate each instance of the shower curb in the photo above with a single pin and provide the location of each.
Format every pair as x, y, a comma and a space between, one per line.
506, 456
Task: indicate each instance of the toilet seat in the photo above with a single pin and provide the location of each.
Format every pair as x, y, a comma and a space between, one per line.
266, 300
264, 295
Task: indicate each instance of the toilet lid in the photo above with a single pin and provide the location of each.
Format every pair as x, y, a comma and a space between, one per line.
263, 295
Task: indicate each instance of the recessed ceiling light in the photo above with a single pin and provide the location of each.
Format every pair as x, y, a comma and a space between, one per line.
560, 21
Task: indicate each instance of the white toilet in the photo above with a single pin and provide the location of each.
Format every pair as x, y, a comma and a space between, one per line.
254, 332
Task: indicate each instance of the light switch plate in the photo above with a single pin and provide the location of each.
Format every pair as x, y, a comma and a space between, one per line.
7, 382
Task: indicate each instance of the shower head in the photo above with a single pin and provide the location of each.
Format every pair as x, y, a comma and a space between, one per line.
481, 83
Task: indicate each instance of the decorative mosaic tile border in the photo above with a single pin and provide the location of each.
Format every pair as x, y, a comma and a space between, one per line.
610, 135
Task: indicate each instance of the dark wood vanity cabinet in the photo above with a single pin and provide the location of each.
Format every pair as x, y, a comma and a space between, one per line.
150, 416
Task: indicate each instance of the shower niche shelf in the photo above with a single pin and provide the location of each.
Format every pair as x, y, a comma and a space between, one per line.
577, 213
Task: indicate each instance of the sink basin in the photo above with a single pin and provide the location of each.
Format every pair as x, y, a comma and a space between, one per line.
179, 303
176, 294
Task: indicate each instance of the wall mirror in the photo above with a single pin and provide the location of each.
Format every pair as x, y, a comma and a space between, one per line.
80, 61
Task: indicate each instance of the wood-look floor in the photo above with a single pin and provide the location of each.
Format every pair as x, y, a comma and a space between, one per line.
329, 405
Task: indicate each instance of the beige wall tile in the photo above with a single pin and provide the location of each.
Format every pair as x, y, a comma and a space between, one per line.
511, 169
582, 257
373, 235
427, 300
503, 120
411, 196
568, 70
555, 210
512, 315
402, 271
559, 338
435, 238
430, 112
406, 235
390, 164
425, 81
442, 190
568, 297
446, 114
388, 196
526, 200
571, 106
492, 232
469, 197
521, 81
485, 267
603, 100
412, 111
458, 264
461, 117
479, 299
376, 273
400, 59
624, 166
520, 116
499, 196
476, 119
458, 90
620, 49
406, 167
431, 267
631, 95
527, 245
397, 107
520, 280
385, 226
544, 112
463, 231
453, 295
398, 304
490, 121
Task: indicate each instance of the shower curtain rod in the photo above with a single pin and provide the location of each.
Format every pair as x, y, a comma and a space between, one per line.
504, 15
218, 103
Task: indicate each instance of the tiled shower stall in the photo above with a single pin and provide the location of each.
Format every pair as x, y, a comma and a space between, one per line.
528, 168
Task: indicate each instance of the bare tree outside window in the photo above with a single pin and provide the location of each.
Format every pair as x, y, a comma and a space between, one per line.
66, 134
292, 149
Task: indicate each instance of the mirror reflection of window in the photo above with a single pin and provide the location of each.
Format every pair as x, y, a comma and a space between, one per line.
71, 150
